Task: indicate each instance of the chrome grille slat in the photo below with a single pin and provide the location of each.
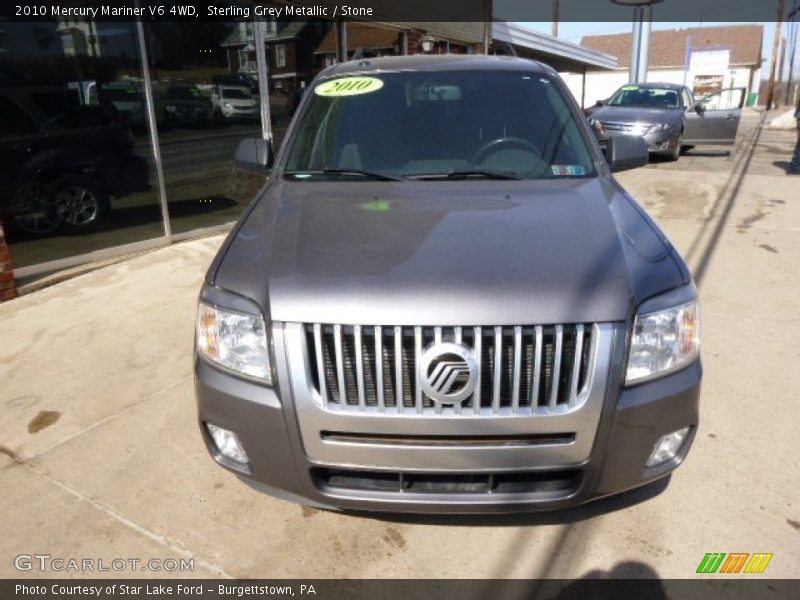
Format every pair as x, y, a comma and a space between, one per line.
398, 368
522, 370
576, 366
323, 387
537, 366
337, 337
498, 368
556, 367
379, 368
362, 402
417, 354
517, 367
476, 397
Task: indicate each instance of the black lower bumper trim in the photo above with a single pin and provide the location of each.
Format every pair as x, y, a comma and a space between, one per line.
534, 482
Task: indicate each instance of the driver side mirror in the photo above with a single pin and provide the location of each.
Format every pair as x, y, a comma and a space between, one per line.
254, 155
600, 103
626, 152
699, 108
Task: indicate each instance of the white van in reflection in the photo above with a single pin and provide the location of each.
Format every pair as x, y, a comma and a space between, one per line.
234, 103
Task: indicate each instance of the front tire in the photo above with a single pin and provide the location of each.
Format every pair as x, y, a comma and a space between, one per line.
35, 208
80, 204
676, 153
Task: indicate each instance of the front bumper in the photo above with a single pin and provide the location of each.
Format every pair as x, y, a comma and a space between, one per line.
632, 420
658, 142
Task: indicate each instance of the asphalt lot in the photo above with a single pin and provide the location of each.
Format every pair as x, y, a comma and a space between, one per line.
100, 456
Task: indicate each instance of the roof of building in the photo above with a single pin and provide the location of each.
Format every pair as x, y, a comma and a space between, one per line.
560, 54
668, 47
359, 35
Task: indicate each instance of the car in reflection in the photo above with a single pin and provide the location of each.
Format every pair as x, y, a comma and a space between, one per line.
237, 80
668, 116
129, 100
185, 104
234, 103
64, 164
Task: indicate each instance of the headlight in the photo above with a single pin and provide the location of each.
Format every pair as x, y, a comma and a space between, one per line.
227, 105
663, 342
639, 128
234, 340
659, 126
170, 108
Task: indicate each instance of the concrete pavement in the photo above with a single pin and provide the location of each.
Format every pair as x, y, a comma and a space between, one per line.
100, 456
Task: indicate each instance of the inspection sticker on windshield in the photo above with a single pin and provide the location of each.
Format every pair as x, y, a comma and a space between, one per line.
628, 88
567, 170
349, 86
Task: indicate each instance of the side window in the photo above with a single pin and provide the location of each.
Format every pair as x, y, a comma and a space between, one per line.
687, 101
13, 120
724, 100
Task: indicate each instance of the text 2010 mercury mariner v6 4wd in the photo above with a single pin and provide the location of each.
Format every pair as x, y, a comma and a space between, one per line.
443, 301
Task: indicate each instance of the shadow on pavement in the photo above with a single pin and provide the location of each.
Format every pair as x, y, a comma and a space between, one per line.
782, 164
727, 199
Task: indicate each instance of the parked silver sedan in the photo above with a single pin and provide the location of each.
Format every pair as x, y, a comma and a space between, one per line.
668, 116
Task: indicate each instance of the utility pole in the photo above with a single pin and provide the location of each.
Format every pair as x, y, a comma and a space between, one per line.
773, 68
554, 26
781, 61
488, 34
792, 48
640, 40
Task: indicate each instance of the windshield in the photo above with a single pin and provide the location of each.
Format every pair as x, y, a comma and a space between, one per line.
236, 94
453, 124
646, 97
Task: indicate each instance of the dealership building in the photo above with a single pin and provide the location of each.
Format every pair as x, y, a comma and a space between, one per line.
119, 136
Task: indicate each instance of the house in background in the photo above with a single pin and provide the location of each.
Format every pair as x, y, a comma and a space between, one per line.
369, 39
290, 50
705, 59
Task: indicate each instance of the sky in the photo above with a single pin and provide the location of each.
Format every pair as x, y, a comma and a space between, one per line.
574, 31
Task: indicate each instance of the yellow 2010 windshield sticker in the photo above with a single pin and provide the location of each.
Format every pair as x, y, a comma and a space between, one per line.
349, 86
630, 87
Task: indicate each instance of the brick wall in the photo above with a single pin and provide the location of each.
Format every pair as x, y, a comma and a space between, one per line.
8, 287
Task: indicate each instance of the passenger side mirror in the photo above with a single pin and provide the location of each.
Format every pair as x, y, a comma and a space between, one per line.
699, 108
254, 155
626, 152
600, 103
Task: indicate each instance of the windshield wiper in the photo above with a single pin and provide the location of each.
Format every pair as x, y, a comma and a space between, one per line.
356, 172
467, 174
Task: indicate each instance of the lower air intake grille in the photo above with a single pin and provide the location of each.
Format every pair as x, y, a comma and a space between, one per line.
548, 482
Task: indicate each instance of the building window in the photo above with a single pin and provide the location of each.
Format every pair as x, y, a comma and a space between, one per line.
272, 27
280, 55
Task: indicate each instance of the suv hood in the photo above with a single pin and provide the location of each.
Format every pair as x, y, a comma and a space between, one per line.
627, 114
446, 253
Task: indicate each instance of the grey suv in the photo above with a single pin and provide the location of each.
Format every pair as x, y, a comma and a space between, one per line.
443, 301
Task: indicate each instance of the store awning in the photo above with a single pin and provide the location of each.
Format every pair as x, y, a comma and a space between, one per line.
559, 54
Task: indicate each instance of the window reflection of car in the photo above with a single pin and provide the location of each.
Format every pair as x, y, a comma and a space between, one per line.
62, 170
233, 103
237, 80
130, 102
668, 116
186, 104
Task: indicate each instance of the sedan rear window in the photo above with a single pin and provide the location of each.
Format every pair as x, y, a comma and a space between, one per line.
443, 124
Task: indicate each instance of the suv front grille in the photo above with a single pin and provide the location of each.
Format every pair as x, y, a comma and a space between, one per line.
523, 370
